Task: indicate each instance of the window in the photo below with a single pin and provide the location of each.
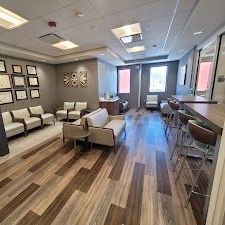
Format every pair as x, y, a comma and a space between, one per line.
124, 81
158, 79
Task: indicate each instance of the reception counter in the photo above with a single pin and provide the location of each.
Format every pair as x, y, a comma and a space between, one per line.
112, 105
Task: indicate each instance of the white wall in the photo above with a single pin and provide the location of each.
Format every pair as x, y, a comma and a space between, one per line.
107, 78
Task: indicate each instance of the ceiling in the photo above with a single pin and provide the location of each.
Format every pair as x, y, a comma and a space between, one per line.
169, 24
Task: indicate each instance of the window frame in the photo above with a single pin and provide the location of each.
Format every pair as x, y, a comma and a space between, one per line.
165, 65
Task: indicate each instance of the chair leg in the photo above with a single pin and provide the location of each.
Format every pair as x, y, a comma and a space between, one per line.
176, 142
181, 166
195, 180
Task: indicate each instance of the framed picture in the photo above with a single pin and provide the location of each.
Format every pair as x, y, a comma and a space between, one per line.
2, 66
83, 78
34, 93
19, 81
6, 97
17, 69
182, 75
74, 79
33, 82
5, 82
21, 94
31, 70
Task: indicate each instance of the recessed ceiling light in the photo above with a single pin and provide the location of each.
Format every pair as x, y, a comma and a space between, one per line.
43, 60
127, 30
136, 49
80, 14
198, 32
102, 54
10, 20
64, 45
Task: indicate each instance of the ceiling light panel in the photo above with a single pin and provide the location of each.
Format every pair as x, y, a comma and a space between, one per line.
64, 45
10, 20
136, 49
132, 38
127, 30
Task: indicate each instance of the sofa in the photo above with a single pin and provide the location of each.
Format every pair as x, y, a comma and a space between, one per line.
80, 108
24, 116
105, 129
152, 102
38, 111
62, 113
12, 128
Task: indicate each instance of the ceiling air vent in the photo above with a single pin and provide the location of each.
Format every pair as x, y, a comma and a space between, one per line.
51, 38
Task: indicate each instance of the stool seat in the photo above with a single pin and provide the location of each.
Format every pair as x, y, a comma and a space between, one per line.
203, 148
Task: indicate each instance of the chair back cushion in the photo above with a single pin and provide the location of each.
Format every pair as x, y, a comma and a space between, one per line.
36, 110
21, 113
68, 105
98, 119
7, 118
152, 98
80, 105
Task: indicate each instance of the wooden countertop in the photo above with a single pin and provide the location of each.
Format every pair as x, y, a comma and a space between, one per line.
192, 99
212, 114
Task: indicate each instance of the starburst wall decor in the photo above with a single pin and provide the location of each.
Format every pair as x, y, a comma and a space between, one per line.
70, 79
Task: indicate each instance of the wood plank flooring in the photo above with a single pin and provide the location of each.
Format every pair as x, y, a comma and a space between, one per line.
135, 186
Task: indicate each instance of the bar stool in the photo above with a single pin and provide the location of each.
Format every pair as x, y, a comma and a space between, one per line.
204, 141
173, 117
182, 131
166, 121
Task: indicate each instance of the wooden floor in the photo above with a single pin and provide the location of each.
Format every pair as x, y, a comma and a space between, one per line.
136, 186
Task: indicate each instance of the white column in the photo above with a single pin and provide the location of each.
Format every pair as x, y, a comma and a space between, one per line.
216, 211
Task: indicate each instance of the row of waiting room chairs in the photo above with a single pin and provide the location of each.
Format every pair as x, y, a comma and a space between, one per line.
22, 120
200, 138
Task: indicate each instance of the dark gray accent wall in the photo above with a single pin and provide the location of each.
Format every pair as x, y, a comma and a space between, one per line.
47, 83
185, 60
132, 97
89, 93
4, 149
170, 82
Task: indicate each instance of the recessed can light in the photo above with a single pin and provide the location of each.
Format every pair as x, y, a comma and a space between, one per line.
80, 14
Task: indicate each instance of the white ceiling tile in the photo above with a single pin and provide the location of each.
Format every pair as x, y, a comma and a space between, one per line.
66, 17
109, 7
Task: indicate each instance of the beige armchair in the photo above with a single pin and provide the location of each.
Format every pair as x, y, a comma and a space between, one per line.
29, 121
39, 112
79, 111
152, 102
62, 113
12, 128
105, 129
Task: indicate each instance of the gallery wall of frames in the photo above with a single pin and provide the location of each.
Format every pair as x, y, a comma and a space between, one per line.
24, 84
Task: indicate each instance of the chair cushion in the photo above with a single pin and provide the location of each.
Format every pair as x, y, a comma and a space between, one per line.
7, 118
74, 115
21, 113
47, 117
80, 105
37, 109
68, 105
116, 125
14, 126
152, 98
98, 119
61, 112
77, 122
32, 120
